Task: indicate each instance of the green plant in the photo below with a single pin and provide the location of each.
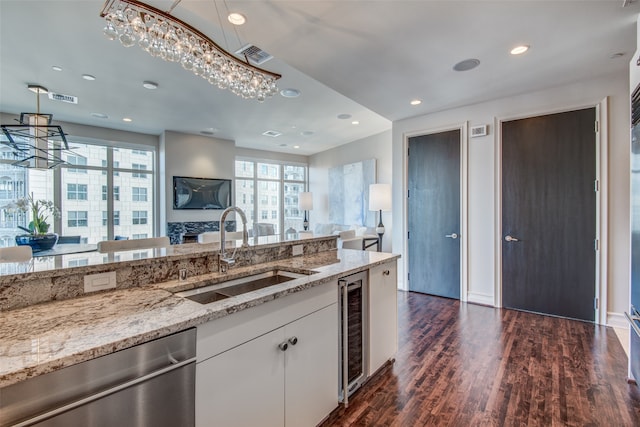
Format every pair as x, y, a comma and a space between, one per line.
40, 211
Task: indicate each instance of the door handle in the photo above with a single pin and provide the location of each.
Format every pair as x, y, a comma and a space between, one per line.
508, 238
452, 236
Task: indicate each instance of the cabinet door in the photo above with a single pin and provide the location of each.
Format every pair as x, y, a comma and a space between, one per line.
383, 315
311, 377
243, 386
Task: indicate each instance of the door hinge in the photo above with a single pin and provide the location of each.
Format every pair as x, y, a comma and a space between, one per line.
596, 244
408, 235
597, 126
596, 185
595, 303
408, 276
408, 193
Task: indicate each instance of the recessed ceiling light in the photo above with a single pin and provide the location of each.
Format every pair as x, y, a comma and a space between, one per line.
149, 85
355, 122
519, 50
236, 18
88, 77
99, 115
616, 55
415, 102
127, 119
344, 116
296, 146
290, 93
467, 64
306, 133
283, 145
56, 68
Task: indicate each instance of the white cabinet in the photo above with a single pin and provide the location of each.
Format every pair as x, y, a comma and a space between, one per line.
256, 381
383, 315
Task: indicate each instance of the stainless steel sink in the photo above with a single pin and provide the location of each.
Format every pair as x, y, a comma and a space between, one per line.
232, 288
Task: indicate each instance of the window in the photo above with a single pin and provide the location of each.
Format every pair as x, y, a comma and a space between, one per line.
141, 167
105, 218
76, 160
78, 262
139, 194
76, 191
139, 217
139, 236
116, 193
77, 219
274, 186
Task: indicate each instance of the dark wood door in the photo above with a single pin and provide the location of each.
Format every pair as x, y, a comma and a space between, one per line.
434, 214
549, 214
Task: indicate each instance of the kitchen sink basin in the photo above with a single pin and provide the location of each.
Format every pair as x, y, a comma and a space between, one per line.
232, 288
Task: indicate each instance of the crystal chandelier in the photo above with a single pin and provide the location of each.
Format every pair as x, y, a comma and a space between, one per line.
35, 142
171, 39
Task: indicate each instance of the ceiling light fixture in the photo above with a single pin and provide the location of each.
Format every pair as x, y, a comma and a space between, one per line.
416, 102
35, 142
236, 18
56, 68
127, 119
88, 77
149, 85
355, 122
519, 50
344, 116
99, 115
169, 38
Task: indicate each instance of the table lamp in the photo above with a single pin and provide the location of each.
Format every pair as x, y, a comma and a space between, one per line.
380, 200
305, 202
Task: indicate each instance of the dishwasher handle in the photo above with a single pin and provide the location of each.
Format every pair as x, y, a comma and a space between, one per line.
106, 392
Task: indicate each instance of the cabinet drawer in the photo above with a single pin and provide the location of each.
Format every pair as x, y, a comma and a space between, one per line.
230, 331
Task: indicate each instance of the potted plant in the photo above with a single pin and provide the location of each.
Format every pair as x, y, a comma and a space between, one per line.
39, 237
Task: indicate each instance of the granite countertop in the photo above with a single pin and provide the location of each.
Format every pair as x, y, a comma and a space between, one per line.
45, 337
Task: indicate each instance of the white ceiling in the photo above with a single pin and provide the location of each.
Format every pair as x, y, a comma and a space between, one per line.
366, 58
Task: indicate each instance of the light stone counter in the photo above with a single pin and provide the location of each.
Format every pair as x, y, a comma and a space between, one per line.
45, 337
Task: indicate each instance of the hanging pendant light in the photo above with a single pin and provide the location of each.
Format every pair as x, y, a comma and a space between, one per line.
35, 142
167, 37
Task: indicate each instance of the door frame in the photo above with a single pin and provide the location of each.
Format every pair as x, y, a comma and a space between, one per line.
464, 207
602, 148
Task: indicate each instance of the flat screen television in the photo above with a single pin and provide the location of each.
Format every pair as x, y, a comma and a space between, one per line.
201, 193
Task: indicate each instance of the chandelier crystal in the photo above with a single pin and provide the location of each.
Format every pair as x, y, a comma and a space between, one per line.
164, 36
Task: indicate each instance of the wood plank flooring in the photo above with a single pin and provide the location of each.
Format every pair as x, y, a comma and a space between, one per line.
462, 364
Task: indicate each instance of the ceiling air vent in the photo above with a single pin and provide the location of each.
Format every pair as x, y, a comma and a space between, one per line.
272, 133
63, 98
254, 54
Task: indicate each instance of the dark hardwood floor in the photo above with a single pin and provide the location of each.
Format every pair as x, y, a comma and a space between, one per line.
468, 365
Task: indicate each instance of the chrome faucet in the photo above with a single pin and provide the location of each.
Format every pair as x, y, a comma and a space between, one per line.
225, 262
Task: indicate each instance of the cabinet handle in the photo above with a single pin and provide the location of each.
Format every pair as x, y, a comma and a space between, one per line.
385, 273
283, 346
293, 340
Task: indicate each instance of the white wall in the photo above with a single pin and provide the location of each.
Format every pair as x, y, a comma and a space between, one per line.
374, 147
195, 156
482, 176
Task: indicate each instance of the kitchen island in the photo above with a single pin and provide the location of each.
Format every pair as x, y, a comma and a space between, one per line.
40, 338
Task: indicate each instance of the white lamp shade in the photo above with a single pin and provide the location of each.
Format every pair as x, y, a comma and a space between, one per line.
305, 201
380, 197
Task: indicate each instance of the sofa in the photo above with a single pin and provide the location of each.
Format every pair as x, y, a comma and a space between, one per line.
349, 236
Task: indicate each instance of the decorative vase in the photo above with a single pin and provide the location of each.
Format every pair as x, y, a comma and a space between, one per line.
38, 243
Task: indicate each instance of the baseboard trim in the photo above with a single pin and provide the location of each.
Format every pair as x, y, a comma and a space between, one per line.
480, 298
617, 320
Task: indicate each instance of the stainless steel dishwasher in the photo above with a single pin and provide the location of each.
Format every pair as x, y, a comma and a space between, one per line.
151, 384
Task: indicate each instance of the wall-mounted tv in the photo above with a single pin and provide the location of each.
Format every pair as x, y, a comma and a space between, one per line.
201, 193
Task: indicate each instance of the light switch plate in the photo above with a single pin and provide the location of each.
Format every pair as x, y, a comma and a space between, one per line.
297, 250
99, 282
